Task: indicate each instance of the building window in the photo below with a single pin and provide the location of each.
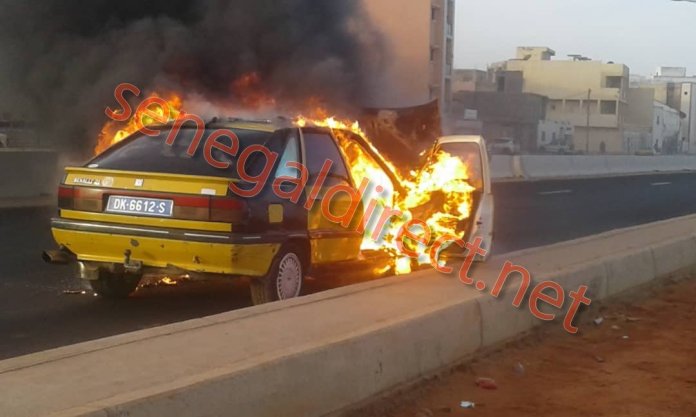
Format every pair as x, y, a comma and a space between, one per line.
433, 54
433, 13
608, 107
614, 82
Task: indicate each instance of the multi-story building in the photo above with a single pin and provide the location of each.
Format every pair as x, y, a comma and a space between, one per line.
651, 127
513, 115
677, 90
419, 43
591, 95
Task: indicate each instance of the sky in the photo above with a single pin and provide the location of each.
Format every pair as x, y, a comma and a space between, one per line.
643, 34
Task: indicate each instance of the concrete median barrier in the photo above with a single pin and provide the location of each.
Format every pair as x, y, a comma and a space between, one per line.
324, 353
27, 173
535, 167
502, 166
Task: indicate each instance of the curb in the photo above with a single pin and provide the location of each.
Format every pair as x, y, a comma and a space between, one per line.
322, 354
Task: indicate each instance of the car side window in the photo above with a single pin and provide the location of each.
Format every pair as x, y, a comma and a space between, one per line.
320, 147
290, 154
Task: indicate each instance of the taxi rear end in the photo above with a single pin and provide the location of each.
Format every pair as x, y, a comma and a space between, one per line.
144, 206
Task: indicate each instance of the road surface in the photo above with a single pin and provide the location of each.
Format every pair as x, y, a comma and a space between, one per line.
36, 315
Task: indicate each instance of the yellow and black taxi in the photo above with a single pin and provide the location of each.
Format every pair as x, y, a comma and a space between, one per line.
147, 206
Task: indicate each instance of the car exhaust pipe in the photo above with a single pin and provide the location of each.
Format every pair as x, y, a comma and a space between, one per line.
61, 256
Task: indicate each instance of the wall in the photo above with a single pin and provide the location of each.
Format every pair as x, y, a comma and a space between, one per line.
514, 115
612, 138
666, 128
532, 167
638, 120
27, 173
553, 134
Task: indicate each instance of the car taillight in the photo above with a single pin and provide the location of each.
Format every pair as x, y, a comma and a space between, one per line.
66, 197
227, 210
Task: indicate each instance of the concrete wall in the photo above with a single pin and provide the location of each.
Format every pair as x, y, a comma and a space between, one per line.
320, 354
612, 139
27, 173
563, 166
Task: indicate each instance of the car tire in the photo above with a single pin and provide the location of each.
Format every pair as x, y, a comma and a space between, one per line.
115, 285
284, 280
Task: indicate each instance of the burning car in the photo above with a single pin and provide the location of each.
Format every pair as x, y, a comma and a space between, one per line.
471, 150
146, 206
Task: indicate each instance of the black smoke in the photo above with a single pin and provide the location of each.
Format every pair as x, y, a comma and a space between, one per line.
60, 60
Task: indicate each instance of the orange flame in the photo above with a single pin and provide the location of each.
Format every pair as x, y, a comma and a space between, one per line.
440, 193
442, 187
113, 132
248, 89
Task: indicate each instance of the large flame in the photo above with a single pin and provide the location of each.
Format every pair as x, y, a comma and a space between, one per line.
113, 132
439, 194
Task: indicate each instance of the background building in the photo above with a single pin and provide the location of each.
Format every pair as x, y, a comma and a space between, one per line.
500, 115
420, 42
650, 127
591, 95
677, 90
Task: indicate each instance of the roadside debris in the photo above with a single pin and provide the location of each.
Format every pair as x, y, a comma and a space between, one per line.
598, 321
74, 292
625, 338
519, 369
615, 327
486, 383
425, 412
599, 359
623, 317
467, 404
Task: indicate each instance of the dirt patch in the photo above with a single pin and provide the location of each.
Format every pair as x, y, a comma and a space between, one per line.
640, 361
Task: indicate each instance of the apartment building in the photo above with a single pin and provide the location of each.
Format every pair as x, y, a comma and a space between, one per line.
674, 88
591, 95
419, 45
651, 127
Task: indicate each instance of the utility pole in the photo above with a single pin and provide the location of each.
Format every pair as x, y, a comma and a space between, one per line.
587, 126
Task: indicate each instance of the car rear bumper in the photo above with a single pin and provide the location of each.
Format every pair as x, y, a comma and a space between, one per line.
204, 252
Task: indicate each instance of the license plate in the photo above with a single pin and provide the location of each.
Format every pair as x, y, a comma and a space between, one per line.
142, 206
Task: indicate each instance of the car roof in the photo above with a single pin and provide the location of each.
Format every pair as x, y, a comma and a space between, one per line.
461, 139
270, 125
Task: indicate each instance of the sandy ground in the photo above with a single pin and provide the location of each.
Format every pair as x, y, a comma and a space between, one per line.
641, 361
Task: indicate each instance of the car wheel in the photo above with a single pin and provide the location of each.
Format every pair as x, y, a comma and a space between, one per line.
284, 279
115, 285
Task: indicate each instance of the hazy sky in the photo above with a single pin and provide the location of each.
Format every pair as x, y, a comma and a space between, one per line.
642, 34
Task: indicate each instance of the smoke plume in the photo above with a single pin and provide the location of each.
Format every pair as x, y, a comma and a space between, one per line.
61, 59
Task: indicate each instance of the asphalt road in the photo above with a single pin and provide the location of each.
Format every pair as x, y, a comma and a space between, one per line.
36, 314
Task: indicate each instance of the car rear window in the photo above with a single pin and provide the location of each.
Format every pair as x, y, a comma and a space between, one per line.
144, 153
470, 154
